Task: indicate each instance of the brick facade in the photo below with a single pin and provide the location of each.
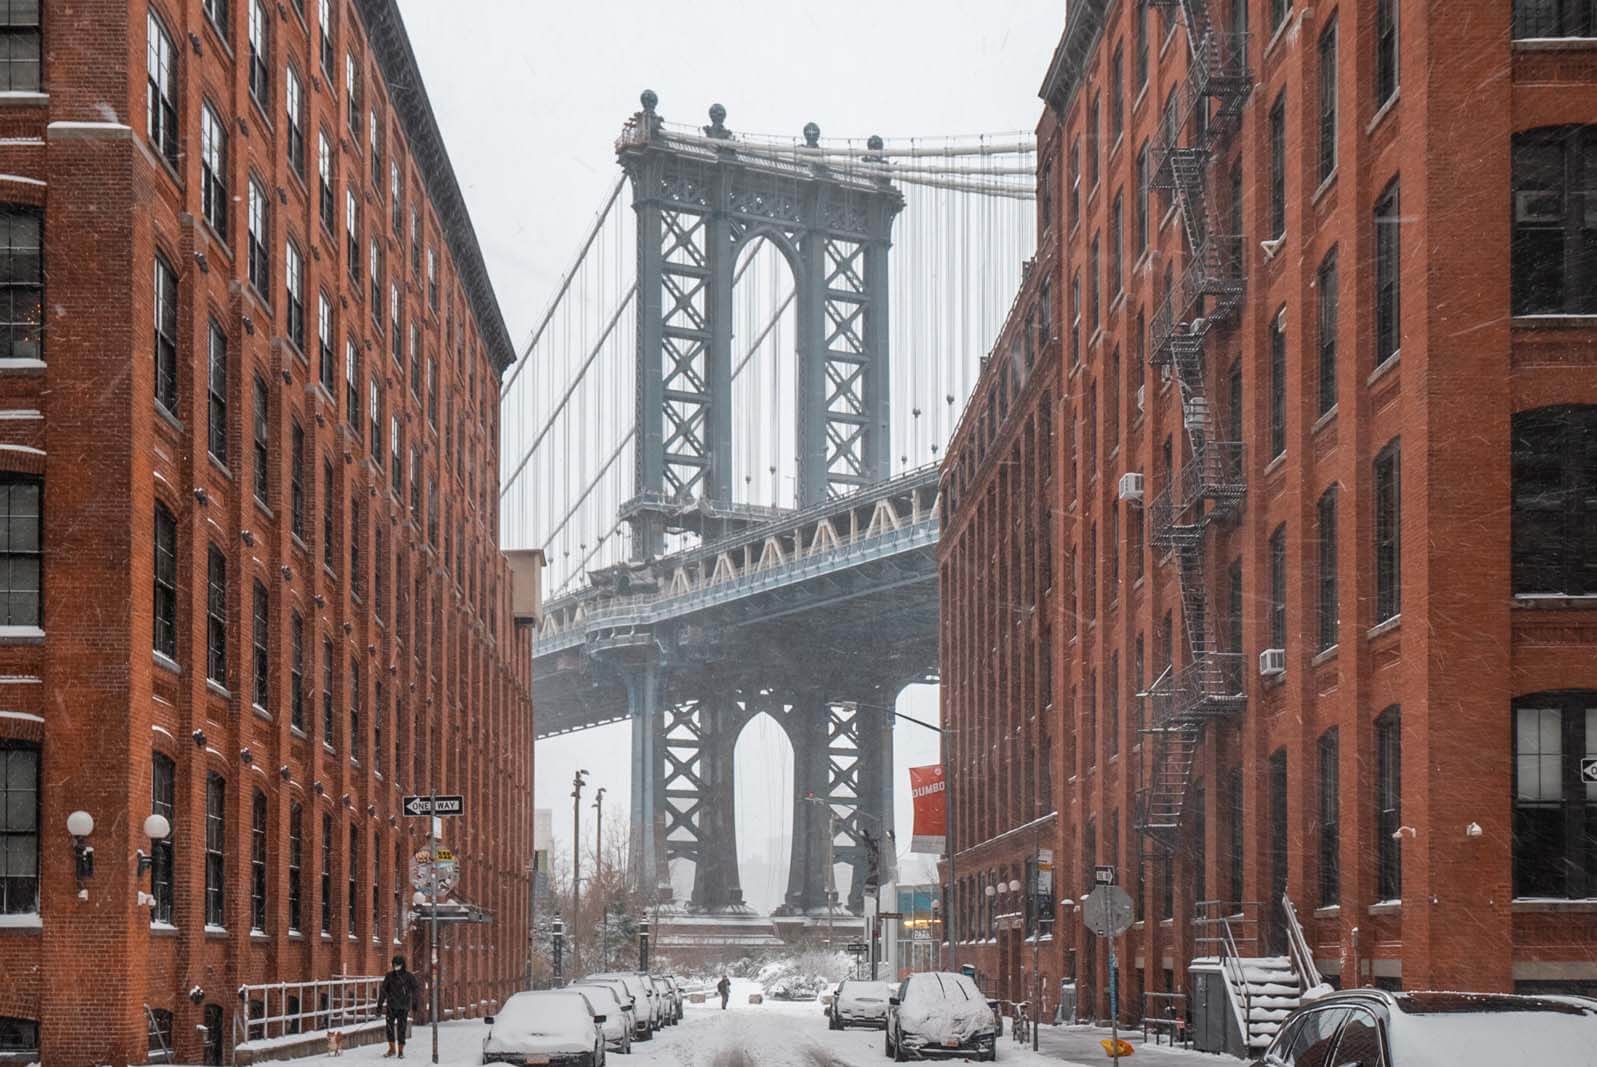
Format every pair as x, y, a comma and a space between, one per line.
429, 672
1446, 668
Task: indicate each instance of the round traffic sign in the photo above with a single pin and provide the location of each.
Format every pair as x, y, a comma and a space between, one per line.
1107, 911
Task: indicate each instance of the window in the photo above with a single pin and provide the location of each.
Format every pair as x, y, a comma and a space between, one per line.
1326, 594
1327, 60
19, 832
165, 599
165, 334
1389, 805
324, 343
1278, 587
395, 195
1279, 10
1388, 256
1325, 285
1140, 54
262, 443
296, 671
1234, 824
1117, 96
374, 275
396, 446
215, 850
1094, 131
327, 874
1278, 166
294, 284
297, 502
1117, 243
216, 390
1555, 501
1555, 18
1555, 221
432, 279
375, 137
354, 710
20, 518
216, 616
21, 283
260, 69
296, 858
258, 863
1330, 835
158, 1044
352, 412
377, 420
1388, 523
19, 46
352, 94
294, 106
1555, 812
1278, 384
160, 68
324, 19
163, 794
1386, 76
1141, 222
352, 237
352, 869
1075, 320
216, 11
1094, 287
327, 513
379, 716
260, 256
324, 174
263, 686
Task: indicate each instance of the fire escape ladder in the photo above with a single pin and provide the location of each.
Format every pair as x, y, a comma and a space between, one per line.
1210, 486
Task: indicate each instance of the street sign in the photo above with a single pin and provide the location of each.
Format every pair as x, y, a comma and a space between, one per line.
857, 948
889, 915
1588, 770
433, 871
454, 804
1107, 911
1103, 875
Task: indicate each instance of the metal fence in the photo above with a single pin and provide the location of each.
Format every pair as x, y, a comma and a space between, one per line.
282, 1009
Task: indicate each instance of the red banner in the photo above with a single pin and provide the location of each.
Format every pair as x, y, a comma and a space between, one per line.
931, 809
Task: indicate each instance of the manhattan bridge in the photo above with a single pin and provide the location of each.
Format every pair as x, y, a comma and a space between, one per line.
724, 436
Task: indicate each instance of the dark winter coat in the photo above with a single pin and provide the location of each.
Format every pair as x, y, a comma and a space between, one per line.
400, 991
723, 987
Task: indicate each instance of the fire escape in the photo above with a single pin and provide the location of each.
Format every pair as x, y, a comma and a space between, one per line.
1209, 490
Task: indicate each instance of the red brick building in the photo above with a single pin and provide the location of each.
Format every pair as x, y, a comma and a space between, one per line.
1323, 408
249, 370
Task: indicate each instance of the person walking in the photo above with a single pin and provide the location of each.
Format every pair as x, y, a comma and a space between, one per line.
724, 987
399, 993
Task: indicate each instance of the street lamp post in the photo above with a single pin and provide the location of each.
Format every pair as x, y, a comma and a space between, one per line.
598, 875
578, 780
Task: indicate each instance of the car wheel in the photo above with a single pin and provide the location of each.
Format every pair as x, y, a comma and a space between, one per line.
898, 1050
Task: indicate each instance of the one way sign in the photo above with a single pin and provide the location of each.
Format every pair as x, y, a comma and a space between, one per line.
1588, 769
454, 804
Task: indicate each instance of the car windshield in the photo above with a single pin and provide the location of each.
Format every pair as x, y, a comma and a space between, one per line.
864, 991
925, 988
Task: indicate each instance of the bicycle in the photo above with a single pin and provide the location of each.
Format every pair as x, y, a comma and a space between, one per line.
1020, 1026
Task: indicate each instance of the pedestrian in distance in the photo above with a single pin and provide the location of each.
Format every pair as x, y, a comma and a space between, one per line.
399, 993
724, 987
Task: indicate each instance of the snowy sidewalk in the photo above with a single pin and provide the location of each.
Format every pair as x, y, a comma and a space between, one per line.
1080, 1044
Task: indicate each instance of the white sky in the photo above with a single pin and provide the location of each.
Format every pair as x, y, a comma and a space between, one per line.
530, 95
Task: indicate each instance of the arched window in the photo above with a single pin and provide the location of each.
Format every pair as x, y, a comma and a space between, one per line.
1555, 221
1555, 811
1555, 501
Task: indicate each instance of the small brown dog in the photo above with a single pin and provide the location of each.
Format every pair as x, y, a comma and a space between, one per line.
335, 1043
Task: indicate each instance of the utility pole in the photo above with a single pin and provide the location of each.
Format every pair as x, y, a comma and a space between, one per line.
578, 780
598, 879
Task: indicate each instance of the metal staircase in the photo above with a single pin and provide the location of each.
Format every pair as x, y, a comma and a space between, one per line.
1262, 988
1210, 486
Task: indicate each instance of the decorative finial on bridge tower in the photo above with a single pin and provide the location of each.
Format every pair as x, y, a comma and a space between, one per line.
717, 127
812, 135
649, 99
874, 144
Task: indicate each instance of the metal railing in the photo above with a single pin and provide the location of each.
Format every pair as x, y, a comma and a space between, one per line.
1167, 1012
1216, 924
1298, 946
281, 1009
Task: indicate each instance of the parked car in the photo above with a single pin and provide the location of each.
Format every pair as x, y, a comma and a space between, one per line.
556, 1027
649, 1005
606, 1001
633, 1000
668, 998
678, 993
936, 1013
1422, 1029
858, 1003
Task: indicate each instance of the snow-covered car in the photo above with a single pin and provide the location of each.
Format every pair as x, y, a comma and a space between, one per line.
606, 1000
668, 997
649, 1004
556, 1027
678, 993
1423, 1029
858, 1003
632, 997
941, 1014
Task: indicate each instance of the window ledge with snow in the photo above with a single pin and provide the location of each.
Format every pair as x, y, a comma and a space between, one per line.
1534, 601
1535, 904
21, 635
1554, 321
1553, 44
212, 930
28, 920
22, 98
1386, 907
162, 929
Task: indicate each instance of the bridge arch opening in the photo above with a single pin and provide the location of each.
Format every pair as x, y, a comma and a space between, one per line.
763, 783
765, 373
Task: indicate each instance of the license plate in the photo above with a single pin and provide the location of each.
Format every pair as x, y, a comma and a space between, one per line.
950, 1043
536, 1061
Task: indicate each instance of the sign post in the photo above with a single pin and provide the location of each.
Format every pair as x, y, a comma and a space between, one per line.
1107, 913
432, 871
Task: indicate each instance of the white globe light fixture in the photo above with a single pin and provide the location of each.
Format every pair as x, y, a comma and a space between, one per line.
157, 828
80, 824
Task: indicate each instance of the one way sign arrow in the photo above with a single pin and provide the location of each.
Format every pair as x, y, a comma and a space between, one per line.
452, 804
1588, 769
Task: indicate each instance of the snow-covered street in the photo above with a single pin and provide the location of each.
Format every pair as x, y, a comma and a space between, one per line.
772, 1034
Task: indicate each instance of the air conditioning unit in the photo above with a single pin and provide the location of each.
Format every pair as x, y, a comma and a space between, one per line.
1272, 662
1196, 413
1142, 392
1131, 486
